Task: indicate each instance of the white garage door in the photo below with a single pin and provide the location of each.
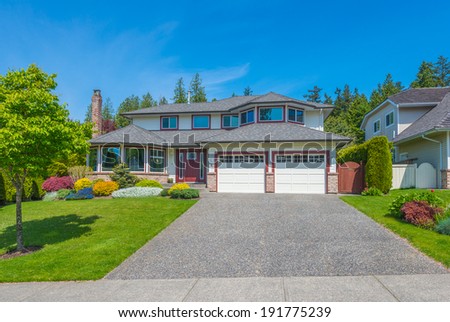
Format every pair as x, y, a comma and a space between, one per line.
241, 173
300, 173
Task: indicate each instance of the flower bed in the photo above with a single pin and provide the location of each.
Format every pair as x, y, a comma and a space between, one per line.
137, 192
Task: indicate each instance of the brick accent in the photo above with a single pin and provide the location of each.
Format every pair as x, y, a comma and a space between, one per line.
270, 182
445, 179
332, 183
96, 108
162, 178
211, 182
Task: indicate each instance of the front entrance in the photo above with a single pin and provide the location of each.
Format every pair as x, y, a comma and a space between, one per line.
190, 165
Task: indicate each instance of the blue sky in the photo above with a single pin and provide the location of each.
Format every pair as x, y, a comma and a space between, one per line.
284, 46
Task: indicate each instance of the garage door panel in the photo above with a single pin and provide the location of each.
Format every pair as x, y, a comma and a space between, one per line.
241, 177
300, 178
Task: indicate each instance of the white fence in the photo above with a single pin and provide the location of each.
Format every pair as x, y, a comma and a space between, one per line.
413, 176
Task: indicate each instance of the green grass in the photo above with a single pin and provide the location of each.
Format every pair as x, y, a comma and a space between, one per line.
84, 239
429, 242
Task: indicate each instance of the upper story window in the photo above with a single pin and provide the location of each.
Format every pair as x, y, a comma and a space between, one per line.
376, 126
169, 122
390, 119
270, 114
296, 115
247, 117
200, 121
229, 121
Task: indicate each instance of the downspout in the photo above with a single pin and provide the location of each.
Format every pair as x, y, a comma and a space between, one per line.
440, 157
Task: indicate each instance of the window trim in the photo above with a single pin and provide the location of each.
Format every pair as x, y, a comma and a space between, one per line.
296, 109
246, 111
168, 116
164, 157
201, 128
101, 156
228, 127
393, 119
125, 148
379, 127
283, 116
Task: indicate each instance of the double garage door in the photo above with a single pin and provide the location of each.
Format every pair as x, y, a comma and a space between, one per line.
295, 173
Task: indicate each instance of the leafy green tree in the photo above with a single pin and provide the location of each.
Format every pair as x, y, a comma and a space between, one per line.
34, 130
387, 88
148, 101
314, 95
426, 76
163, 101
131, 103
197, 90
442, 71
179, 93
248, 91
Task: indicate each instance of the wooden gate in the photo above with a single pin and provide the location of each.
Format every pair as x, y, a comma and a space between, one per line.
351, 177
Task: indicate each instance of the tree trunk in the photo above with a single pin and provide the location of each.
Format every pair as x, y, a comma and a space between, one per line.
19, 192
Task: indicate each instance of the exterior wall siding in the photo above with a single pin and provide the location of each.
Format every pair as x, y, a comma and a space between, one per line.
409, 115
390, 131
314, 120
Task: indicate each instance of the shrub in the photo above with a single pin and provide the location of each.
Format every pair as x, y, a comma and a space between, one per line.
105, 188
50, 196
82, 194
82, 183
78, 172
169, 180
379, 164
97, 180
63, 193
57, 183
123, 176
427, 196
372, 192
185, 194
443, 227
178, 186
164, 193
57, 169
420, 213
149, 183
355, 153
31, 189
136, 192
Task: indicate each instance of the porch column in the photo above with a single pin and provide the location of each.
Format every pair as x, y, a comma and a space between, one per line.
122, 153
99, 159
146, 167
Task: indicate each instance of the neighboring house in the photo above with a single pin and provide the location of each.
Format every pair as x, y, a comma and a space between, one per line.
417, 121
264, 143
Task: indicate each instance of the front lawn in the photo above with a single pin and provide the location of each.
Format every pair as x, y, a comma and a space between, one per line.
429, 242
83, 240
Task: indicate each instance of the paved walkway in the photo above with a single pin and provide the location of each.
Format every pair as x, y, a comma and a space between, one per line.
273, 235
410, 288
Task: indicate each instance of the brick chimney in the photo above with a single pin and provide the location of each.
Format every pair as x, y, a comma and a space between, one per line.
97, 112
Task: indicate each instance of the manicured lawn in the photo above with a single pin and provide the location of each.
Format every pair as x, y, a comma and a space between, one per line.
83, 240
429, 242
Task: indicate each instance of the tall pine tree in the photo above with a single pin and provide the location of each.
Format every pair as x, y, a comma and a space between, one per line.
314, 95
442, 71
426, 76
179, 93
163, 101
198, 94
248, 91
384, 90
131, 103
148, 101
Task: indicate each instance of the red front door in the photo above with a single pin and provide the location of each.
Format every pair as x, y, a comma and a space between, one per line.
190, 165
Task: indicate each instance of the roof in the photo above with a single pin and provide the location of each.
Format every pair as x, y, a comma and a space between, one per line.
131, 134
274, 132
224, 105
420, 95
437, 118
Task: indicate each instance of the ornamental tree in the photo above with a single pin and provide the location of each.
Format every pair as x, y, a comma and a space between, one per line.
34, 130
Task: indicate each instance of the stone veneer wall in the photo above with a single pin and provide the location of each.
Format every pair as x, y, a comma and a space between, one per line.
445, 179
270, 182
211, 182
332, 183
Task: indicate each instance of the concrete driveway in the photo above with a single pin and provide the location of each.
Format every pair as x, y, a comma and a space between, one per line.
273, 235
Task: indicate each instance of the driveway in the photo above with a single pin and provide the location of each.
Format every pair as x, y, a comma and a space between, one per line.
273, 235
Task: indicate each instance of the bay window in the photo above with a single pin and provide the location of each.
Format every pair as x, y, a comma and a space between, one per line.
271, 114
134, 158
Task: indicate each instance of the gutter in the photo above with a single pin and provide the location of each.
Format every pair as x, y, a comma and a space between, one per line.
440, 156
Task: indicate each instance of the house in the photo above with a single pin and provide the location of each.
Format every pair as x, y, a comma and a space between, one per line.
261, 143
417, 121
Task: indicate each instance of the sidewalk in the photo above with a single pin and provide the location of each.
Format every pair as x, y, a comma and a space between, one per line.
386, 288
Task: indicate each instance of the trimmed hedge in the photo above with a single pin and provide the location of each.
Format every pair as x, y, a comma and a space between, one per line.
105, 188
178, 186
185, 194
149, 183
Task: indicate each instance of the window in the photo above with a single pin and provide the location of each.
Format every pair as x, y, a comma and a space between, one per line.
404, 156
134, 158
169, 122
93, 159
295, 115
181, 165
268, 114
110, 158
156, 160
191, 156
200, 121
241, 158
248, 117
230, 121
390, 119
376, 126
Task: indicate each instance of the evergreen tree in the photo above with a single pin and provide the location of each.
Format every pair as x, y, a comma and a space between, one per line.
384, 90
179, 93
197, 90
327, 99
148, 101
442, 71
163, 101
313, 95
107, 111
233, 95
358, 109
248, 91
426, 76
131, 103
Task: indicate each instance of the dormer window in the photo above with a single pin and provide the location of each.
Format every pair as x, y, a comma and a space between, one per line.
230, 121
200, 122
247, 117
271, 114
296, 115
169, 122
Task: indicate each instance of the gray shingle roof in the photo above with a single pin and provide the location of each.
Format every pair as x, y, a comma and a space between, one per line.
224, 105
187, 137
132, 134
437, 118
274, 132
420, 95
